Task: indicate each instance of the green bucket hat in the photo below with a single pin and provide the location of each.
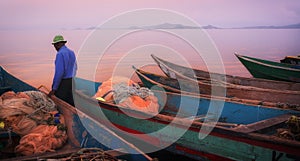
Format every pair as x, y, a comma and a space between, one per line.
58, 38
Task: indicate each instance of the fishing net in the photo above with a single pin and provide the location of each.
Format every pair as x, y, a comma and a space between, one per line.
43, 138
92, 154
40, 100
14, 107
33, 115
106, 88
20, 124
122, 91
128, 94
87, 154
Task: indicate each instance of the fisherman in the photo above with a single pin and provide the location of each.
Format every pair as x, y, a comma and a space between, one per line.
65, 70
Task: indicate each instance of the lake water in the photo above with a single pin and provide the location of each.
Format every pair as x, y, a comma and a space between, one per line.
29, 54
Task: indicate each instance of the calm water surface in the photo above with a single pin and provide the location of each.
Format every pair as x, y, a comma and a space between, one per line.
29, 55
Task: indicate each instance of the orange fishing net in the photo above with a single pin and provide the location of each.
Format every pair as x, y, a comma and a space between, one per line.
31, 115
43, 138
149, 104
107, 86
20, 124
113, 90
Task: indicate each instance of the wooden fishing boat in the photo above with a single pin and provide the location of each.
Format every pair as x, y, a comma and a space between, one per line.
246, 94
177, 71
80, 128
266, 69
240, 132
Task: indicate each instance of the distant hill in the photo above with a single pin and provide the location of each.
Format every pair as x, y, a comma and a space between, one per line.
210, 27
180, 26
173, 26
293, 26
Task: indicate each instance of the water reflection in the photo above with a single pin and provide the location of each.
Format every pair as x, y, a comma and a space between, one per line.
29, 55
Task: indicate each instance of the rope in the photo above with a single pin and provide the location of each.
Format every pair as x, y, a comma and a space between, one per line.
39, 100
122, 91
90, 154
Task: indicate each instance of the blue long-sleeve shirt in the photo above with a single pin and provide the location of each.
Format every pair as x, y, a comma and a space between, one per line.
65, 66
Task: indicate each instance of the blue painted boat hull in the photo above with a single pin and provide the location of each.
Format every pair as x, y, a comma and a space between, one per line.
241, 132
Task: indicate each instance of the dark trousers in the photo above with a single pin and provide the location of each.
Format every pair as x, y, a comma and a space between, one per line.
64, 91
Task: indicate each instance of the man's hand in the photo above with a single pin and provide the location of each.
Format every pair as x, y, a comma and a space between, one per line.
52, 92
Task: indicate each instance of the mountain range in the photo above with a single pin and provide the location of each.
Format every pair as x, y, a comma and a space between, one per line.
292, 26
180, 26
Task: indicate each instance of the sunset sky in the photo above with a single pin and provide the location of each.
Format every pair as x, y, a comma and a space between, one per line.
57, 14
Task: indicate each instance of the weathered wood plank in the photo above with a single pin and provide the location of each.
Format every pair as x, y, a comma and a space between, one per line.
262, 124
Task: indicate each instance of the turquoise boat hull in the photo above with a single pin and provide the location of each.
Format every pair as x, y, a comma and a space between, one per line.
265, 69
242, 132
